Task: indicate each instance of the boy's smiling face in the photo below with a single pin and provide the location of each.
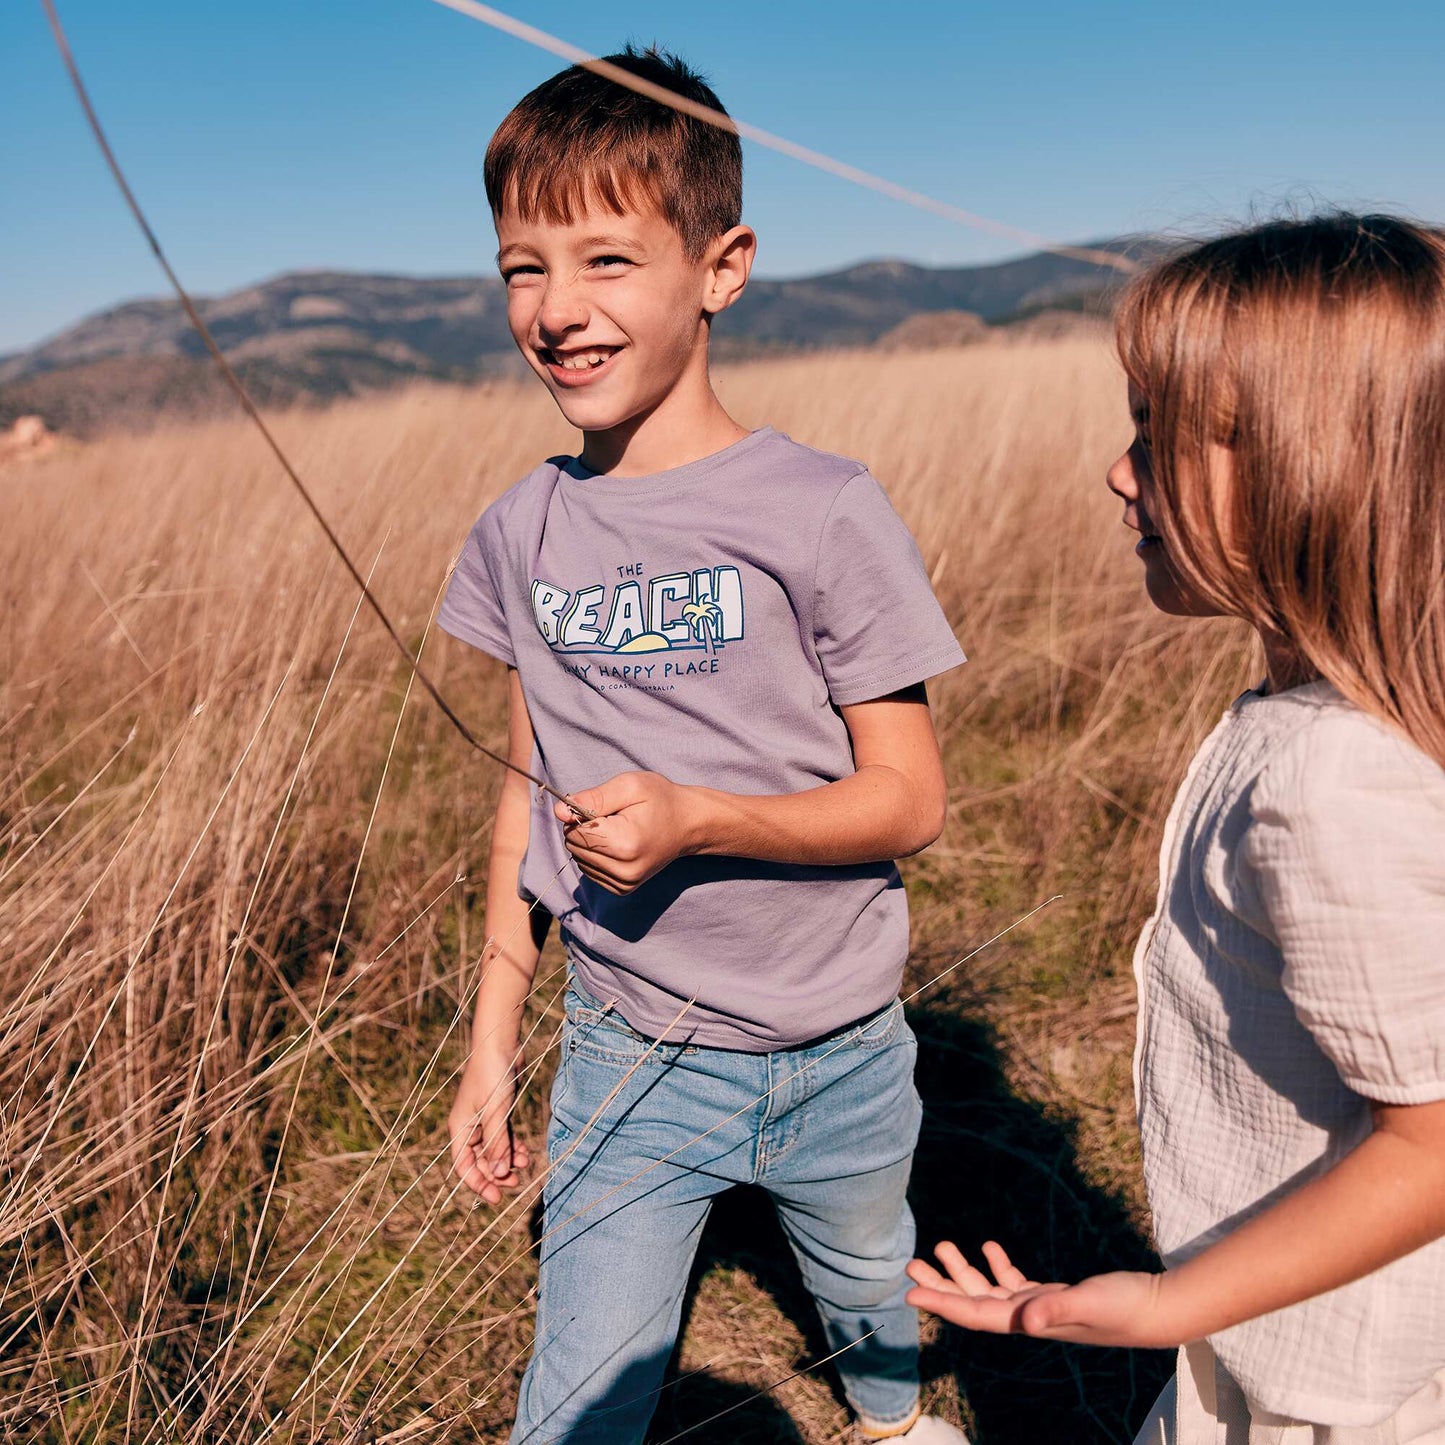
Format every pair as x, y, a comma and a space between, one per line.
611, 312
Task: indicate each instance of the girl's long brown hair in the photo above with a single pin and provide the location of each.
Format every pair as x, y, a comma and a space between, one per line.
1314, 353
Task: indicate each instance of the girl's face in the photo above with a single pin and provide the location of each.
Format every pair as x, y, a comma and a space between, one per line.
1131, 478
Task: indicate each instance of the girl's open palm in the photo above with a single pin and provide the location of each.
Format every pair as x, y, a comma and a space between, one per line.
1107, 1309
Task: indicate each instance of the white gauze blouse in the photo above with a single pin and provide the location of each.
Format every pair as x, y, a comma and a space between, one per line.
1294, 970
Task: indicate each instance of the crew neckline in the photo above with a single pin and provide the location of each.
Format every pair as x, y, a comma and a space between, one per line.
576, 473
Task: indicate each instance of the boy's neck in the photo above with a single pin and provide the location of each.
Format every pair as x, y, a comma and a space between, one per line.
685, 426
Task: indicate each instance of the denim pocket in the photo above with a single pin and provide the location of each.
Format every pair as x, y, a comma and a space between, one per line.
600, 1051
600, 1033
885, 1029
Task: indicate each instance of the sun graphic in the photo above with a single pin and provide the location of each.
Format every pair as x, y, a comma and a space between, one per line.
646, 642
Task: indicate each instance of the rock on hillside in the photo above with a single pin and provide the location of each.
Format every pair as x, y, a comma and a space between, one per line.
27, 439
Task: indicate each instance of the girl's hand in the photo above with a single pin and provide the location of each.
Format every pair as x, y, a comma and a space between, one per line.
642, 821
1108, 1309
486, 1156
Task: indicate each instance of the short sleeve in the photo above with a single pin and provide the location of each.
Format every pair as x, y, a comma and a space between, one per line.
472, 608
877, 626
1346, 845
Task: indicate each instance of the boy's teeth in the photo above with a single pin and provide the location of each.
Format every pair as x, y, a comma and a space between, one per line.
582, 360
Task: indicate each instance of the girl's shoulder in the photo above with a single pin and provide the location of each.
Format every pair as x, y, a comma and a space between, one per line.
1322, 758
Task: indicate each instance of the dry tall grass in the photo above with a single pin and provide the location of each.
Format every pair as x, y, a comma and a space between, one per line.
240, 879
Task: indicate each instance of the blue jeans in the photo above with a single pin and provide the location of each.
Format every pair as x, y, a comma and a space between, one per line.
828, 1130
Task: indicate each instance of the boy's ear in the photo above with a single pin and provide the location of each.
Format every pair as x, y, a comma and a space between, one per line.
731, 261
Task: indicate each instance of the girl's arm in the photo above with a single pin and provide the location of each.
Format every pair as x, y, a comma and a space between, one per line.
485, 1154
891, 806
1342, 857
1382, 1201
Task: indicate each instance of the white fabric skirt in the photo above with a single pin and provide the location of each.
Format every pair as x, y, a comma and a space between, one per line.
1202, 1405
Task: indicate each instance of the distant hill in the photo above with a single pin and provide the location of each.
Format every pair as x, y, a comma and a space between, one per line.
318, 335
857, 306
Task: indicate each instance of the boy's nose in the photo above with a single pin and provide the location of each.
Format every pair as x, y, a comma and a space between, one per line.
562, 310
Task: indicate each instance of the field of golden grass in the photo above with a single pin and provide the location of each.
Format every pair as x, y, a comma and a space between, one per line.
240, 907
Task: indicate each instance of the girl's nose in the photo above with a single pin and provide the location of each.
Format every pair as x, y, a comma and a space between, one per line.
1121, 478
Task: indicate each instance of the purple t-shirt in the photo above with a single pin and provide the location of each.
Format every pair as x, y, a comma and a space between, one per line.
707, 623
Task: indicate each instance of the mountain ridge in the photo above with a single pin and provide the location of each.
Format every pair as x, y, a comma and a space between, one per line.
321, 333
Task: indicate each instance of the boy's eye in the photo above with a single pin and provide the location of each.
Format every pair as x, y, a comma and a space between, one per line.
600, 263
511, 273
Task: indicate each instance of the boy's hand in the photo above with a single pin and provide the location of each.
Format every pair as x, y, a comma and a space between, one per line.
485, 1155
1107, 1309
641, 822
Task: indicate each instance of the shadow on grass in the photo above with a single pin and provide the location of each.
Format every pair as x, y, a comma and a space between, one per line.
990, 1165
701, 1408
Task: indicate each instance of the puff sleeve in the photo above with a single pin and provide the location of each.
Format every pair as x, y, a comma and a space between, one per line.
1346, 847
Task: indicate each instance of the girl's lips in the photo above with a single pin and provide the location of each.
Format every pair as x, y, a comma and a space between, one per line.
573, 377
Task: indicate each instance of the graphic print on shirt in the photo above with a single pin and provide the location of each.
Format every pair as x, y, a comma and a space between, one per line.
697, 612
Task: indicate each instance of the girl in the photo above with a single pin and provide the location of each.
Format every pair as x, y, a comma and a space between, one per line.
1288, 392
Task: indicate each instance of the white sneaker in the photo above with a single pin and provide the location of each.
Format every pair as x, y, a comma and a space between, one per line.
925, 1430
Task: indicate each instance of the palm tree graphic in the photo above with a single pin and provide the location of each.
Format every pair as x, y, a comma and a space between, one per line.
704, 617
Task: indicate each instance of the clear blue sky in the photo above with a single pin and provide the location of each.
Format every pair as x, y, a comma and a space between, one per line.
280, 134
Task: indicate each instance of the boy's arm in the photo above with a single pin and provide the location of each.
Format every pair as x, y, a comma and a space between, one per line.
891, 806
1383, 1200
484, 1153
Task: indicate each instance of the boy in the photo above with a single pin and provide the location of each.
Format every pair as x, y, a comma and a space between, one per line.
717, 642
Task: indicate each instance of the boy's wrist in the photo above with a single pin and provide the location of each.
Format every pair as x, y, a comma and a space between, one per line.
488, 1054
494, 1043
719, 823
699, 814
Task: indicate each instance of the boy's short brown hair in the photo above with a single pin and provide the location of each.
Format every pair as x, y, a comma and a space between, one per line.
581, 139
